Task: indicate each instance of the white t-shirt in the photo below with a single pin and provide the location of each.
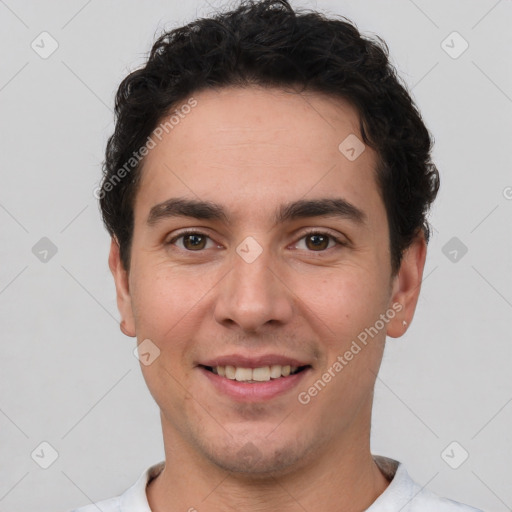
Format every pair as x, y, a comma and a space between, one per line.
401, 495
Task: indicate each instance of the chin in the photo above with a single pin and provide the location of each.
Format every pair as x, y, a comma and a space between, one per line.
259, 458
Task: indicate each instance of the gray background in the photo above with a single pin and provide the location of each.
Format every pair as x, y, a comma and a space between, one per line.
69, 376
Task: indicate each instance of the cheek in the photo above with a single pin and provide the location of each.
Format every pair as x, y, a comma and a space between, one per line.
159, 300
167, 302
347, 300
164, 303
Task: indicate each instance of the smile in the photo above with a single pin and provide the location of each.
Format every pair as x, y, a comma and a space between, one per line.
253, 375
258, 384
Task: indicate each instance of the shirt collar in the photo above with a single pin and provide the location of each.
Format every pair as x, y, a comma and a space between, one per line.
135, 498
399, 491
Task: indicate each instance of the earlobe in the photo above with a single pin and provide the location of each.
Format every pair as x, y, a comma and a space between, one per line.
124, 303
125, 330
407, 285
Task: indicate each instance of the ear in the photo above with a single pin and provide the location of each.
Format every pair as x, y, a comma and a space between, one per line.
124, 301
407, 284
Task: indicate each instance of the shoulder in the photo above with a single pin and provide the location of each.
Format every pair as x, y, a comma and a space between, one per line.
134, 499
426, 501
110, 505
404, 494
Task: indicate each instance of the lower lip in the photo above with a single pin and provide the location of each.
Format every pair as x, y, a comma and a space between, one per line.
257, 391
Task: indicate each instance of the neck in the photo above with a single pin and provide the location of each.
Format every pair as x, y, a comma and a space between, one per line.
343, 477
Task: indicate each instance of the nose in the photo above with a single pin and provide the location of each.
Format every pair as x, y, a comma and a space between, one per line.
253, 295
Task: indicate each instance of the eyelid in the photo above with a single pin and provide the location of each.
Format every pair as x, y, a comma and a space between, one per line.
324, 231
189, 231
339, 240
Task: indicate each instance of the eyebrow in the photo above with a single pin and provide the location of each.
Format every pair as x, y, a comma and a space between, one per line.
208, 210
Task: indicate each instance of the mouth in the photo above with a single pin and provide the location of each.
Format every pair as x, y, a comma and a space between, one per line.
255, 375
253, 381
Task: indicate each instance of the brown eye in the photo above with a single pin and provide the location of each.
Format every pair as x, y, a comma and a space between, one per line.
191, 241
317, 241
195, 241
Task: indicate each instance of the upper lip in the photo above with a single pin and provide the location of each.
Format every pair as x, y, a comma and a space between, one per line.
253, 362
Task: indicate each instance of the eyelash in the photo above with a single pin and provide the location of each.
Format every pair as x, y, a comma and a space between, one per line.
338, 241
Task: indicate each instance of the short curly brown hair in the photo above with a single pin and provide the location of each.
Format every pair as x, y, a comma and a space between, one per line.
268, 43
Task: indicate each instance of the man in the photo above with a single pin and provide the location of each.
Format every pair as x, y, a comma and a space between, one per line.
266, 190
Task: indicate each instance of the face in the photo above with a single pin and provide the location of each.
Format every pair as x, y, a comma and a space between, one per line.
280, 271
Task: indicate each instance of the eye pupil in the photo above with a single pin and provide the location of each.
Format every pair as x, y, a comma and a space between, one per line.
196, 243
316, 237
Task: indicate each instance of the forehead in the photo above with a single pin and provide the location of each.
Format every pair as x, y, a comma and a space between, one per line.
247, 147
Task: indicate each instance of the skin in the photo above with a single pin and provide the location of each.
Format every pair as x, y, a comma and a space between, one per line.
250, 150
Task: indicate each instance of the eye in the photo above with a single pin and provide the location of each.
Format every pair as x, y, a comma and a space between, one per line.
193, 241
318, 241
315, 241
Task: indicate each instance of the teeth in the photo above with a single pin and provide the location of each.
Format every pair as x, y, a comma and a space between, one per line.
275, 371
230, 372
261, 374
243, 374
